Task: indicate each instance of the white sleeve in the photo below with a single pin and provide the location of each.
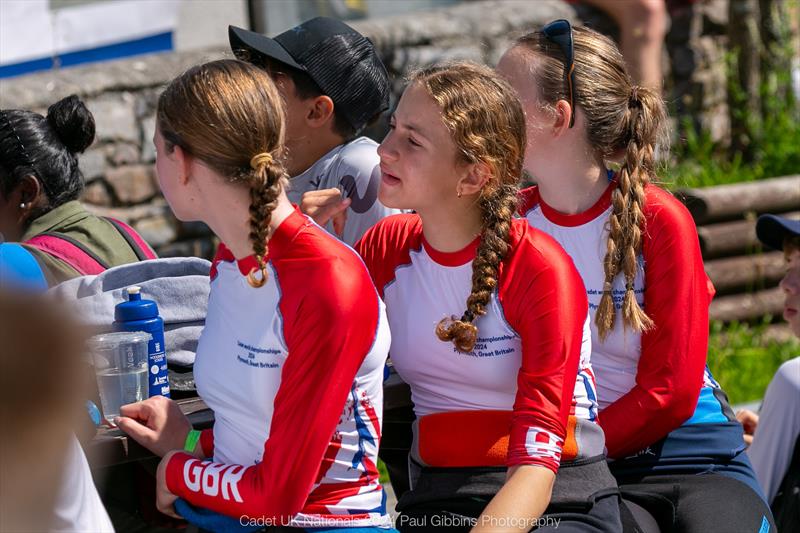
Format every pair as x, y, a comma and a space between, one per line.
78, 506
778, 428
358, 175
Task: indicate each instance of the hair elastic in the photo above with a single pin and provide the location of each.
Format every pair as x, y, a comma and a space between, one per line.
260, 160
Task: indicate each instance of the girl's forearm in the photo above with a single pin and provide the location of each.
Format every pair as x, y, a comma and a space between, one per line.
523, 499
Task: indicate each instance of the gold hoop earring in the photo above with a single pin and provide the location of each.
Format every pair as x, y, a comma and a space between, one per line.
254, 281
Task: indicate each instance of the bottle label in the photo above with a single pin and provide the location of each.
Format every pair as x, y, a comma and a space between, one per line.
159, 380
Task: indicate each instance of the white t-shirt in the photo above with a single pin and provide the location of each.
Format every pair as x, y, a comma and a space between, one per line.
78, 507
352, 168
778, 428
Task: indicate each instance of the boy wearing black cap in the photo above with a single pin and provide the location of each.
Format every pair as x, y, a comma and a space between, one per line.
775, 448
333, 84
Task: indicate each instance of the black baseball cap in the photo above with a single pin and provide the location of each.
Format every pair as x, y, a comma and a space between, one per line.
772, 230
341, 61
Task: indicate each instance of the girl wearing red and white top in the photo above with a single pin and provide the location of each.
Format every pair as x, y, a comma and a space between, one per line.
292, 354
505, 437
665, 418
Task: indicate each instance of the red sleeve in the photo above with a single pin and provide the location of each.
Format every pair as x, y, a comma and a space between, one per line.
330, 319
544, 300
673, 354
387, 245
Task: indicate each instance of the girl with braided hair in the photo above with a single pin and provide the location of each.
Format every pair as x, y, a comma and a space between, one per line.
665, 418
292, 353
489, 322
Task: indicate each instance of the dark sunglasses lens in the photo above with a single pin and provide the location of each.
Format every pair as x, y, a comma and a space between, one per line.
557, 28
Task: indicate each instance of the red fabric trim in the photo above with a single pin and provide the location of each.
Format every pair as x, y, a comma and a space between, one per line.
148, 252
280, 240
579, 219
453, 259
387, 246
67, 252
487, 446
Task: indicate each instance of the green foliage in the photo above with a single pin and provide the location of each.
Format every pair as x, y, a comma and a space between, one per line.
697, 161
743, 359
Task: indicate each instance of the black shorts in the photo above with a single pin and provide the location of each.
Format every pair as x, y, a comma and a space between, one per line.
585, 499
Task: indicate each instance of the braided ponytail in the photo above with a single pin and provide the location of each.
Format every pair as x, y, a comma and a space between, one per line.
265, 179
497, 209
486, 121
641, 122
620, 118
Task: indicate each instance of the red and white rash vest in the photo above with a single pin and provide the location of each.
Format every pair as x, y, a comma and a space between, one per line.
293, 371
512, 399
648, 384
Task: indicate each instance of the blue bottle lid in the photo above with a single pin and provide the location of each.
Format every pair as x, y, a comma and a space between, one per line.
135, 308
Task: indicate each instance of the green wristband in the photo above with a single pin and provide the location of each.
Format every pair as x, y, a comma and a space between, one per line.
191, 441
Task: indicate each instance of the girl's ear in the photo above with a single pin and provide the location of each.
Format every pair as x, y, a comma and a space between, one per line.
477, 176
30, 189
184, 162
562, 114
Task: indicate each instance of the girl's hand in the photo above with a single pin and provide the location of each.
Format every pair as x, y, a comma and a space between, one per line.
326, 205
165, 500
749, 421
156, 423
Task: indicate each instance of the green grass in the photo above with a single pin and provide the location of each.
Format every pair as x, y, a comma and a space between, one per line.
743, 361
697, 161
384, 473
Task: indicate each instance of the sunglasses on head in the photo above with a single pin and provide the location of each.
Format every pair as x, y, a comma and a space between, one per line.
559, 32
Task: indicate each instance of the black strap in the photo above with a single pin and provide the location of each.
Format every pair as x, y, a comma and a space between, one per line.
129, 239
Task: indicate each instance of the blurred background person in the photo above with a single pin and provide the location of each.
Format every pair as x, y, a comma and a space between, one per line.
642, 27
45, 480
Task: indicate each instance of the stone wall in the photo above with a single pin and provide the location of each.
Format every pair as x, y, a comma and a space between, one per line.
123, 94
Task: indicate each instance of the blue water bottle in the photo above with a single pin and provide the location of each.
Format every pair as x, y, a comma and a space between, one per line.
142, 315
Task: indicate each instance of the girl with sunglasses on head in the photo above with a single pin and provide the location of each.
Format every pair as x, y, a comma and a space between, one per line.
292, 354
489, 322
675, 445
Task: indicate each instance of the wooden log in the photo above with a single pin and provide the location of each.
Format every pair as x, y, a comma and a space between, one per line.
726, 202
746, 307
727, 238
731, 238
746, 272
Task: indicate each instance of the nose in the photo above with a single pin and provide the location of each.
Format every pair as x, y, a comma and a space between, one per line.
386, 150
790, 283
